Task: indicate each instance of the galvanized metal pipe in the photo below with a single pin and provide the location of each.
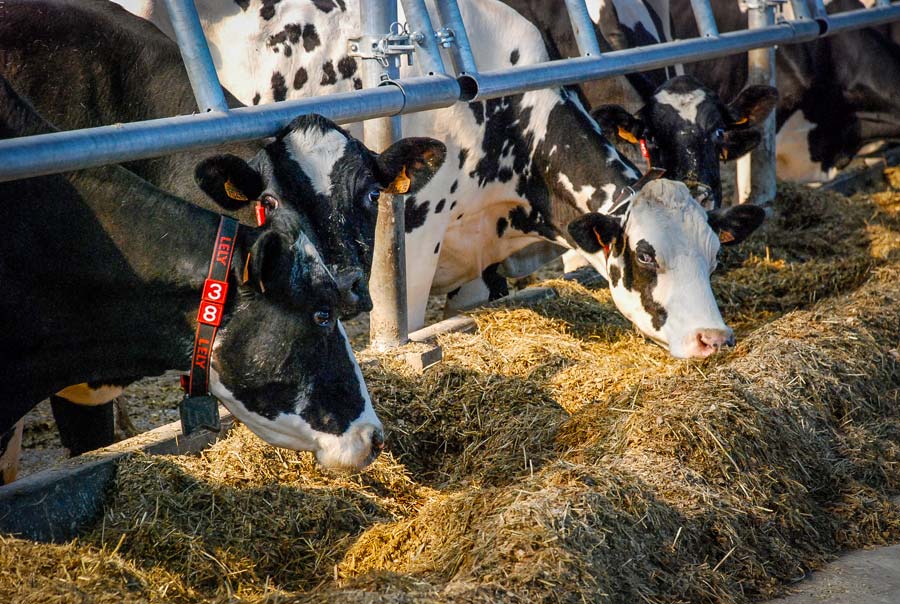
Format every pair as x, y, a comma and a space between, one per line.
819, 11
388, 325
583, 28
89, 147
59, 152
756, 170
801, 9
460, 51
195, 53
427, 53
571, 71
706, 20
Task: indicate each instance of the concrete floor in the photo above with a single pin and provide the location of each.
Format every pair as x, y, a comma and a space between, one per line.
860, 577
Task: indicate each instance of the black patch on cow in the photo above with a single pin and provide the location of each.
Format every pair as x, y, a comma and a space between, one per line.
437, 248
440, 206
244, 4
478, 111
300, 78
357, 84
279, 89
614, 275
505, 175
514, 56
453, 188
291, 34
496, 283
256, 99
414, 215
326, 6
310, 37
268, 9
329, 77
453, 204
347, 67
463, 156
459, 217
643, 280
502, 223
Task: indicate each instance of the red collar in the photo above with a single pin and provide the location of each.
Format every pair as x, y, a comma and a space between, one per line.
199, 409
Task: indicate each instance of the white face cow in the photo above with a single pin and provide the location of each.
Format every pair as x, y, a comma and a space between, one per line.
658, 257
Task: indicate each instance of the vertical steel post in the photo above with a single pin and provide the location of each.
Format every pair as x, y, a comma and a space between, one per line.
801, 9
460, 51
427, 53
583, 28
388, 320
195, 53
756, 171
706, 20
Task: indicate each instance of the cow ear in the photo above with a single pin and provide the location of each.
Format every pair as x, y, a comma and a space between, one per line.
228, 180
269, 256
408, 165
734, 224
594, 232
752, 106
615, 118
738, 143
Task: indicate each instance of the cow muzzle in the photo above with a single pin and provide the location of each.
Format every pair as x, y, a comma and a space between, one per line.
354, 291
705, 342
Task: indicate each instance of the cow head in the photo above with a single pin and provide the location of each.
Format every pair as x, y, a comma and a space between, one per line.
334, 182
282, 363
658, 258
687, 130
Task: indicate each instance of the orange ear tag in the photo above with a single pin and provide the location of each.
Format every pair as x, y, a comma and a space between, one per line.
605, 246
246, 276
627, 136
741, 121
726, 236
233, 192
400, 185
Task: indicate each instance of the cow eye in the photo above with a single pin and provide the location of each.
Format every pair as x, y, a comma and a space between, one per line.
322, 318
646, 260
269, 201
719, 135
374, 196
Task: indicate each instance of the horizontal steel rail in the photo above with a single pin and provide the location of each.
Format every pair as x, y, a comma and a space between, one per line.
90, 147
64, 151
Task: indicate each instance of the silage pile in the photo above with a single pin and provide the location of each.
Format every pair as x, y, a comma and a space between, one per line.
556, 456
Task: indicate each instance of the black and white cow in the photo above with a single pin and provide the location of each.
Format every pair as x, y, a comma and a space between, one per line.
85, 63
115, 67
838, 94
687, 128
102, 276
520, 169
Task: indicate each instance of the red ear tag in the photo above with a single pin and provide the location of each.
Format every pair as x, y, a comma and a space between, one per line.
605, 246
645, 152
260, 214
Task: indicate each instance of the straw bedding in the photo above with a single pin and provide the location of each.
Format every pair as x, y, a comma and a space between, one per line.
556, 456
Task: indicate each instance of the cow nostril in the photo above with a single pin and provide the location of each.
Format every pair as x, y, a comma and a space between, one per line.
715, 339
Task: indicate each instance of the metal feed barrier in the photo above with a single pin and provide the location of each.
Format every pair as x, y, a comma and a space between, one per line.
385, 96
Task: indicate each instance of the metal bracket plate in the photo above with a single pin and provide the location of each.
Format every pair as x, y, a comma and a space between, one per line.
398, 42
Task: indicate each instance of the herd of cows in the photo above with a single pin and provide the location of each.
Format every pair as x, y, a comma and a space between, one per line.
102, 269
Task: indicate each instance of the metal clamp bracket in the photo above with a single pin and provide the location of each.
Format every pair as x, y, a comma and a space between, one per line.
763, 4
398, 42
445, 37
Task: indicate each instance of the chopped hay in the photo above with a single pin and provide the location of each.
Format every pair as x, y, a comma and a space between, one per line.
556, 456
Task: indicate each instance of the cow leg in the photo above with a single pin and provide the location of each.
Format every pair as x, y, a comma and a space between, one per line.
124, 425
492, 286
10, 451
85, 417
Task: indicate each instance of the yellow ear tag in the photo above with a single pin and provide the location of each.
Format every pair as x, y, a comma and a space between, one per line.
741, 121
400, 185
233, 192
627, 136
726, 236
